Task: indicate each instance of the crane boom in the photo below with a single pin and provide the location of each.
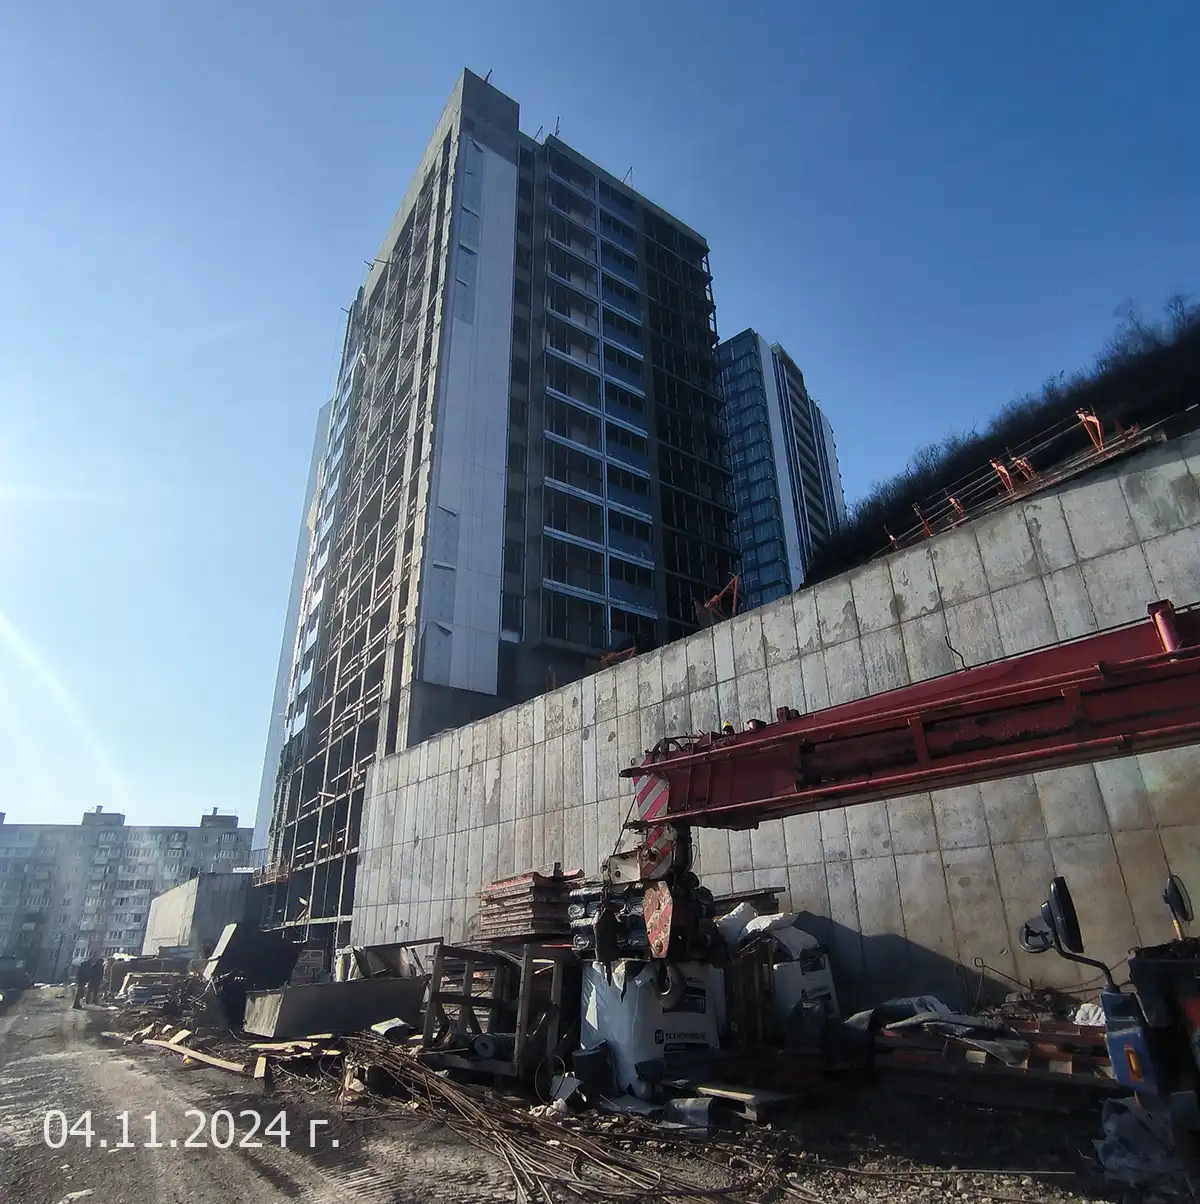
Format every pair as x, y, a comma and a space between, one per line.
1127, 690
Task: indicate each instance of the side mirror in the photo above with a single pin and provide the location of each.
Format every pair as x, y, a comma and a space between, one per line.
1063, 920
1179, 903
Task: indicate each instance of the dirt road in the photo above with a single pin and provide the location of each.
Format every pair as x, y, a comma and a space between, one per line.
53, 1062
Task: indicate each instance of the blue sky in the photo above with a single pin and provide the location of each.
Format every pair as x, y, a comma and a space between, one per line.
934, 207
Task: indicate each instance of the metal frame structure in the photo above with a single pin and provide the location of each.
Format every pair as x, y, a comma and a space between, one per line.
1128, 690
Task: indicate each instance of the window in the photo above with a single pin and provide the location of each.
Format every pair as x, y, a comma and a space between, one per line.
573, 565
628, 490
516, 457
630, 534
518, 411
642, 628
574, 619
574, 468
574, 515
625, 445
572, 381
514, 556
572, 423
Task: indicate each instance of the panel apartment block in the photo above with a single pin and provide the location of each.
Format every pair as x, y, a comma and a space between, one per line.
788, 487
70, 891
524, 468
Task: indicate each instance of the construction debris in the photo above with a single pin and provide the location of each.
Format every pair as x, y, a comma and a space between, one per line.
528, 907
301, 1009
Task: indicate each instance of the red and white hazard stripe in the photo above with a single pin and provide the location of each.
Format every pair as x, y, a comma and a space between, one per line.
651, 793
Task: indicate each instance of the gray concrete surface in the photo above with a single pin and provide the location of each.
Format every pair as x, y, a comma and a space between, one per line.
194, 914
52, 1057
903, 890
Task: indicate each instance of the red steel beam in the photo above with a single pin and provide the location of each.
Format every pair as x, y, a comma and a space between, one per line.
1129, 690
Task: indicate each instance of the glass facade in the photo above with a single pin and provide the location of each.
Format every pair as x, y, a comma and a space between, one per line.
788, 490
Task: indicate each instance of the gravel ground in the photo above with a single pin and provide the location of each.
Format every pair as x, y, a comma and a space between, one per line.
861, 1144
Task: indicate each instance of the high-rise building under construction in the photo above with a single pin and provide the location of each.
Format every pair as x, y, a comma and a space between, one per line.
523, 469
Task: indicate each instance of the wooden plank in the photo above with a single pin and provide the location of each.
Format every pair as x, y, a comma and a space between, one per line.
434, 1016
754, 1103
196, 1055
179, 1037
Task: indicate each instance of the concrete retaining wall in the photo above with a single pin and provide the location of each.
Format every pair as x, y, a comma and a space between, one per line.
903, 890
194, 914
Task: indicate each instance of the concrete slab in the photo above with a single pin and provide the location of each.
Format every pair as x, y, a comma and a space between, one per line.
749, 652
719, 884
491, 851
304, 1008
881, 922
574, 824
1023, 617
925, 649
701, 661
1161, 496
868, 831
1006, 548
957, 565
835, 838
785, 683
605, 686
703, 703
474, 881
728, 709
591, 838
552, 839
673, 664
804, 608
1070, 606
713, 845
844, 671
1119, 586
754, 697
924, 906
845, 938
836, 618
1175, 566
587, 702
976, 909
554, 714
1089, 864
779, 631
508, 786
653, 725
572, 768
767, 847
592, 787
884, 660
1013, 809
916, 590
572, 706
816, 685
971, 628
1144, 870
959, 816
554, 778
539, 715
630, 749
809, 893
911, 823
508, 732
871, 587
1097, 517
741, 858
1049, 533
525, 723
523, 777
626, 680
1124, 794
722, 637
743, 881
1172, 781
650, 679
802, 835
611, 817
